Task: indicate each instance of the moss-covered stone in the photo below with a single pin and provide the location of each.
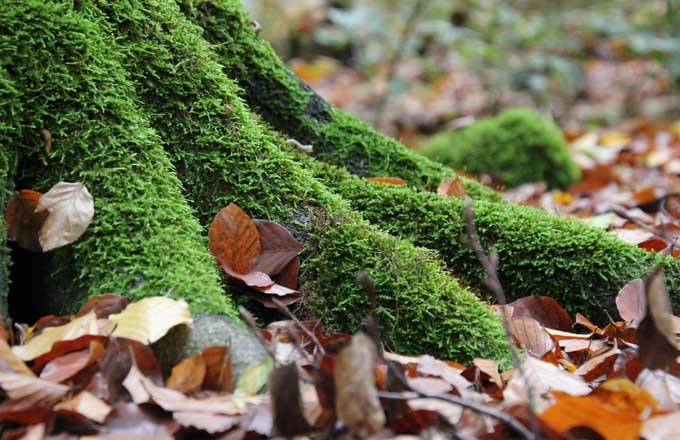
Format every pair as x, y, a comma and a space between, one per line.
224, 154
144, 239
295, 110
519, 145
581, 267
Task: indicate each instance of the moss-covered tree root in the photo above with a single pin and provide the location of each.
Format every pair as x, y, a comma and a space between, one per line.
144, 239
225, 155
581, 267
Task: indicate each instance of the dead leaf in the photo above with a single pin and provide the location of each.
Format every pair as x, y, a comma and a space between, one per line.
356, 399
288, 276
86, 404
22, 222
656, 332
451, 187
278, 247
599, 365
130, 421
187, 376
68, 365
531, 336
254, 377
489, 367
31, 389
218, 367
387, 180
543, 309
631, 301
103, 305
149, 319
212, 423
70, 208
661, 427
234, 240
10, 363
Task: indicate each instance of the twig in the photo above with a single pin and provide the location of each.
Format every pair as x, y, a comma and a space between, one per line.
248, 318
284, 310
494, 413
396, 59
490, 264
662, 233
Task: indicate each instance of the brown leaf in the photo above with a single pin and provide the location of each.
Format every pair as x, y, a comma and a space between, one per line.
543, 309
631, 301
10, 363
489, 367
86, 404
103, 305
286, 403
387, 180
234, 240
253, 278
656, 332
356, 399
599, 365
288, 276
218, 369
68, 365
64, 347
70, 208
451, 187
23, 223
531, 335
31, 389
187, 376
278, 247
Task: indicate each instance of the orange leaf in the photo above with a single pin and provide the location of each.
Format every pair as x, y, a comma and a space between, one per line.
103, 305
218, 367
278, 247
23, 223
188, 375
387, 180
234, 240
451, 187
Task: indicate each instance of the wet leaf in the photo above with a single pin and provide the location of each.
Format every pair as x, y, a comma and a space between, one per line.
149, 319
656, 332
23, 223
233, 239
70, 208
356, 399
278, 247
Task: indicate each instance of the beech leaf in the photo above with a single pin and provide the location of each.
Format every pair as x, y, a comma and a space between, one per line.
218, 367
31, 389
149, 319
543, 309
233, 239
70, 208
88, 405
387, 180
531, 335
278, 247
631, 301
188, 375
23, 223
451, 187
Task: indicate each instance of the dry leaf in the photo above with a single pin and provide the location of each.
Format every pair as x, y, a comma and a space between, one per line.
278, 247
631, 301
10, 363
22, 222
288, 276
70, 208
451, 187
531, 336
212, 423
543, 309
233, 239
31, 390
356, 399
103, 305
68, 365
88, 405
218, 367
187, 376
387, 180
149, 319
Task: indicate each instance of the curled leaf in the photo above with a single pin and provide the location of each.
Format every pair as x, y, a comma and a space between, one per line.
70, 208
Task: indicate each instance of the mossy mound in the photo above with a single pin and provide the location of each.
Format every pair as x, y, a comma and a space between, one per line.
519, 145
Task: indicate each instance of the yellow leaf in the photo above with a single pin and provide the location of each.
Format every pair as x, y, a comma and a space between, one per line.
149, 319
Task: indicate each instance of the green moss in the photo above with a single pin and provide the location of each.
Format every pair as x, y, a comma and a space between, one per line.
144, 239
519, 145
581, 267
225, 154
295, 110
9, 106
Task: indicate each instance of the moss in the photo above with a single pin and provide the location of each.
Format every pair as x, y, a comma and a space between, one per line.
9, 106
581, 267
294, 109
519, 145
225, 154
144, 239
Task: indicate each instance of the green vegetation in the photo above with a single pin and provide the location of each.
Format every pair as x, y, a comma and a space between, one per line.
519, 145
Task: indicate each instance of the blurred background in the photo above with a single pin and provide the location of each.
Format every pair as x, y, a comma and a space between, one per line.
415, 67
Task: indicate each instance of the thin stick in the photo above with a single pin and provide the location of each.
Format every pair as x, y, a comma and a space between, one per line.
498, 415
248, 318
284, 310
490, 264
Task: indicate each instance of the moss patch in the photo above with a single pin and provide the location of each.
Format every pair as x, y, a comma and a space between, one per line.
519, 145
144, 239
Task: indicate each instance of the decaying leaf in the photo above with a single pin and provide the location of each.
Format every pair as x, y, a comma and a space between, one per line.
31, 390
356, 399
188, 375
149, 319
23, 223
278, 247
233, 239
104, 305
70, 208
656, 332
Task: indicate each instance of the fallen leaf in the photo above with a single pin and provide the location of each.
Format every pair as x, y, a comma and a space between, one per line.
187, 376
88, 405
70, 208
211, 423
288, 276
599, 365
656, 333
31, 389
103, 305
218, 369
68, 365
387, 180
254, 377
531, 336
451, 187
22, 222
130, 421
631, 301
10, 363
356, 398
233, 239
278, 247
545, 310
149, 319
661, 427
